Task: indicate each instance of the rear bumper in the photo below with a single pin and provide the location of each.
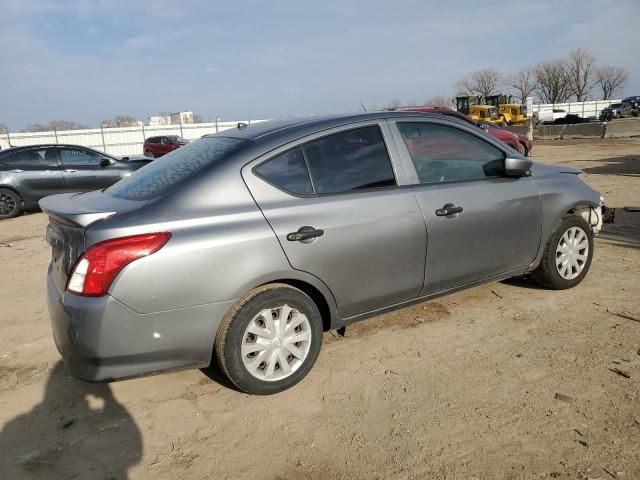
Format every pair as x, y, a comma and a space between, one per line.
102, 339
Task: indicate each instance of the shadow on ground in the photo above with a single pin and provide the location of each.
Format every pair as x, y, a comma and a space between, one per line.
79, 430
627, 165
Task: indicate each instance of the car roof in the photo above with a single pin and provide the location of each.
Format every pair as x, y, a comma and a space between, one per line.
272, 129
20, 148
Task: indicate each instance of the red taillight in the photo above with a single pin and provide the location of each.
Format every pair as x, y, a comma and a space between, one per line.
96, 269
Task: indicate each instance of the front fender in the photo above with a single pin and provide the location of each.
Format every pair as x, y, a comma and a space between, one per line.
559, 194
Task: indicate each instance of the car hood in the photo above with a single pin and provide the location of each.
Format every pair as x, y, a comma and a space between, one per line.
542, 169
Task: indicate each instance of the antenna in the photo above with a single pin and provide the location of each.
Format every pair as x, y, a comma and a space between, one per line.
363, 107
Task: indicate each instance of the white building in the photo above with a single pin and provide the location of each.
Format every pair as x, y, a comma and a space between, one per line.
170, 119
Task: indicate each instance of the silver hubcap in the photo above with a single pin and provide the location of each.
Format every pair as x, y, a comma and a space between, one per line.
572, 252
276, 343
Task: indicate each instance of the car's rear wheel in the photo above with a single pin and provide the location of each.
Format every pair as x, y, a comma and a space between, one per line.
567, 255
149, 154
10, 203
270, 340
525, 150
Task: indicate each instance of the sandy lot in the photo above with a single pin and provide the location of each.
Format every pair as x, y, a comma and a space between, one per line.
505, 381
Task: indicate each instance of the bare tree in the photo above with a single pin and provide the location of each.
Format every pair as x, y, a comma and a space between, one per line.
553, 82
395, 103
523, 83
3, 129
611, 80
439, 101
483, 82
106, 123
581, 73
55, 125
124, 121
197, 118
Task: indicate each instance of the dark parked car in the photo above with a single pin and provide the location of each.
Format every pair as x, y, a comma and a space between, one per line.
29, 173
158, 146
245, 245
634, 100
617, 110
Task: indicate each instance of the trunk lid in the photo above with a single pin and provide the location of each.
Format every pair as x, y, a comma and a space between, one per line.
70, 214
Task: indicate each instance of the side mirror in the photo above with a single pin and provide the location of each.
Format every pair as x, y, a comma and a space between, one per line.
517, 167
105, 162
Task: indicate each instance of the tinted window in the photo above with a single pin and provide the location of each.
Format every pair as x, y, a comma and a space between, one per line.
75, 157
446, 154
28, 158
350, 160
287, 171
153, 140
158, 177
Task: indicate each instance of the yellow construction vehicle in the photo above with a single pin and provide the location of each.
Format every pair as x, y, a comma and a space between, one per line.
487, 113
513, 113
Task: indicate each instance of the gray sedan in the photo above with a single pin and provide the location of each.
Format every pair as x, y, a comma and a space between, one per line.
244, 246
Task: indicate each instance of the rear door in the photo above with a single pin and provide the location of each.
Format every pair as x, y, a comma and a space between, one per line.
334, 203
494, 224
33, 172
82, 169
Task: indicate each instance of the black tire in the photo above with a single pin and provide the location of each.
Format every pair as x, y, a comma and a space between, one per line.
547, 273
149, 154
10, 204
231, 332
525, 150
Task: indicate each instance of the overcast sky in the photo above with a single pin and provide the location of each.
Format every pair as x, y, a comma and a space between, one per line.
88, 60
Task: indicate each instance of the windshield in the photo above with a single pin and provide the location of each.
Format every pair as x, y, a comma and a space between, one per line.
163, 174
615, 105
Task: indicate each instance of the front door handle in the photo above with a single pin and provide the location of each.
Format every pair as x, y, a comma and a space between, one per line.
70, 170
305, 233
16, 170
448, 209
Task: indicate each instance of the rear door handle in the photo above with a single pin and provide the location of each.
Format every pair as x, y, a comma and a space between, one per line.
71, 170
448, 209
16, 170
305, 233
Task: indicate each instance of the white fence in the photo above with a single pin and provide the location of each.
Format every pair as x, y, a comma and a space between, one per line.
116, 141
589, 109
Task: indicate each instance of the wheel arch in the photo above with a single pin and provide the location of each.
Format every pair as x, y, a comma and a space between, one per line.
328, 314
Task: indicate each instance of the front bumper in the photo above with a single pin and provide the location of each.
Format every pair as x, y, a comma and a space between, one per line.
102, 339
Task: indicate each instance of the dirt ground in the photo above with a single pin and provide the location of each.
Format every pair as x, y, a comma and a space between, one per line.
506, 381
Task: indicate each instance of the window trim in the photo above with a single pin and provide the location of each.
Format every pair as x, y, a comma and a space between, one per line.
407, 161
87, 151
298, 143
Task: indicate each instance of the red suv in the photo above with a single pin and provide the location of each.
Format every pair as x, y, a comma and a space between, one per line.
158, 146
519, 143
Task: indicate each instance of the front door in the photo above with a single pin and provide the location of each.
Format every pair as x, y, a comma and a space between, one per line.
335, 207
83, 170
480, 223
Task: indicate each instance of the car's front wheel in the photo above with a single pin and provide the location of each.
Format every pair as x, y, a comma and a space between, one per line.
270, 340
567, 255
149, 154
10, 203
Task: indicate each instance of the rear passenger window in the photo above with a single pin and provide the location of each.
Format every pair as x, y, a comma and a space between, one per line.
346, 161
446, 154
352, 160
287, 171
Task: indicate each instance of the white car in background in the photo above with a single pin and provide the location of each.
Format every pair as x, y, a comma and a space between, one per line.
549, 115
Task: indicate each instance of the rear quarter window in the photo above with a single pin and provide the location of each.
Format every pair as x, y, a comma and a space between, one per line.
161, 175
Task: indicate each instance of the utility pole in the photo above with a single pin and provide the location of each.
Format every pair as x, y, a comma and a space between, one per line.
530, 115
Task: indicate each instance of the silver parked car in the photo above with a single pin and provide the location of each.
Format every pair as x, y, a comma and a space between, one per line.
243, 246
